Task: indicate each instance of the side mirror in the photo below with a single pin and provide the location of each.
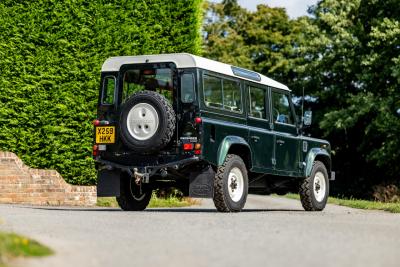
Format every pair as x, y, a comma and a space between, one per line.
307, 118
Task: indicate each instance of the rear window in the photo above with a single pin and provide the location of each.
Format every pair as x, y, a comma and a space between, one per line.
108, 90
159, 80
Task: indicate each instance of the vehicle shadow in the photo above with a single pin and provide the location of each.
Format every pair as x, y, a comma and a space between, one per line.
157, 210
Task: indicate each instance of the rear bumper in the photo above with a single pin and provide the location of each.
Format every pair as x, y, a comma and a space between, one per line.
109, 174
145, 170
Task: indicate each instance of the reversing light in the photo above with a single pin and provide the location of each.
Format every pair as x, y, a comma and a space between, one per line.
198, 120
188, 146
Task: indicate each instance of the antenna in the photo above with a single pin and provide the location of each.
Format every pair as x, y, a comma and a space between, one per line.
302, 107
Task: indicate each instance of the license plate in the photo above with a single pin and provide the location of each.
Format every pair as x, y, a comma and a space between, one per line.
105, 135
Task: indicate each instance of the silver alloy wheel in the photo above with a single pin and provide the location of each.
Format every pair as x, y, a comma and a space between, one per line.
235, 184
142, 121
319, 186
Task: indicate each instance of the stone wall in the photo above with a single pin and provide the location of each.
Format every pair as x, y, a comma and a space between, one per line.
20, 184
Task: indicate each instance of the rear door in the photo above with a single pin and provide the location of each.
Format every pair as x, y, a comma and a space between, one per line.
261, 138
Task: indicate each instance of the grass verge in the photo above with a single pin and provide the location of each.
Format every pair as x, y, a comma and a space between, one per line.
155, 202
359, 203
13, 246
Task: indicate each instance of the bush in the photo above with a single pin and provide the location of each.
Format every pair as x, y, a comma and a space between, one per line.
51, 54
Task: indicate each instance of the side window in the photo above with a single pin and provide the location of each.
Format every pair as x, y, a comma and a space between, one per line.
221, 93
232, 95
257, 102
281, 110
212, 91
108, 90
187, 88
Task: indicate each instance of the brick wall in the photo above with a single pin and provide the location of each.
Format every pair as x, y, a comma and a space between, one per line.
23, 185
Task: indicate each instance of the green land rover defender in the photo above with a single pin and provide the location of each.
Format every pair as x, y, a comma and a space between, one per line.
207, 128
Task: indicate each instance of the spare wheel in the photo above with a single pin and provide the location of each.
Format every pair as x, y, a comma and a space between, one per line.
147, 122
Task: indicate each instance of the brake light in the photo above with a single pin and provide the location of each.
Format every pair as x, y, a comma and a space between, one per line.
96, 122
188, 146
198, 120
197, 152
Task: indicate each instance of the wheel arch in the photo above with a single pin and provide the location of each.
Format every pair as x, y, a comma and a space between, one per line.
317, 154
234, 145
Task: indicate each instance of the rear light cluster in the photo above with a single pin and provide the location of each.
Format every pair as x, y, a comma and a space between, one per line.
100, 122
95, 150
196, 147
191, 146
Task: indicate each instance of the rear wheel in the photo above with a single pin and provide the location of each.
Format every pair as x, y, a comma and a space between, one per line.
314, 190
231, 185
131, 197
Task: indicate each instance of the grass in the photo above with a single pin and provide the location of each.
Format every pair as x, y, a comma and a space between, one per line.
359, 203
13, 246
155, 202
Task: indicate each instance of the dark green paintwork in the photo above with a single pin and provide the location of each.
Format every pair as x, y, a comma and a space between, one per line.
275, 148
226, 143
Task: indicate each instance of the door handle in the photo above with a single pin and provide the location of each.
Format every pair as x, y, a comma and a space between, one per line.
255, 138
280, 142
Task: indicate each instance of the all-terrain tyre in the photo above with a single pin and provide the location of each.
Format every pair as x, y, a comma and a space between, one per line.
231, 185
131, 199
314, 190
147, 122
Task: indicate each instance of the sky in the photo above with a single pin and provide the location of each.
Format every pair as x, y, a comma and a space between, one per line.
294, 8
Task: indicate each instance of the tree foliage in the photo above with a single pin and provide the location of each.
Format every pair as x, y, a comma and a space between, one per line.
345, 56
265, 40
51, 53
352, 67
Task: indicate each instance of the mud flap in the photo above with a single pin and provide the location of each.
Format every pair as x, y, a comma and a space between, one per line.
202, 183
108, 183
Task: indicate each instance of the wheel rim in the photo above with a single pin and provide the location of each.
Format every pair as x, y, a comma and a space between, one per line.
235, 184
319, 186
142, 121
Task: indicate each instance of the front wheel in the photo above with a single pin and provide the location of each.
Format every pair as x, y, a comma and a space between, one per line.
314, 190
231, 185
132, 198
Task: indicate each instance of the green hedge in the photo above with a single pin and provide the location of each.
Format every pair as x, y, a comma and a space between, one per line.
51, 52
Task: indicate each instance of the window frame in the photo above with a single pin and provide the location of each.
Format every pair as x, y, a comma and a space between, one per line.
274, 90
194, 86
222, 77
103, 91
266, 102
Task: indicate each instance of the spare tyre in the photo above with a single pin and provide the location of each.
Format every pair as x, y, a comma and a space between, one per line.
147, 122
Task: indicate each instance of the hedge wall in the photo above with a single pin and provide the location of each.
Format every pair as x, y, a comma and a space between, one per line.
51, 52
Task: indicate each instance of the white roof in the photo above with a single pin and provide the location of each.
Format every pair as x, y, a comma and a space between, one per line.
182, 61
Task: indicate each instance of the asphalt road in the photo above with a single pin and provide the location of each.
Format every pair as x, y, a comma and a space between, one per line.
271, 231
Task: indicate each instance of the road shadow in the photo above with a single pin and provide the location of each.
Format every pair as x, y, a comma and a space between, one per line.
158, 210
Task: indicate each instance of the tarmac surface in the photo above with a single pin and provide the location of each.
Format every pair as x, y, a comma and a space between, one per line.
271, 231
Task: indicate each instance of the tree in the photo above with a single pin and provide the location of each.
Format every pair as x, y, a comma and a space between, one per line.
346, 57
352, 68
265, 40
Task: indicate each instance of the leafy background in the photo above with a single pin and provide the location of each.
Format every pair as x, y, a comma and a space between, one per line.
51, 54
